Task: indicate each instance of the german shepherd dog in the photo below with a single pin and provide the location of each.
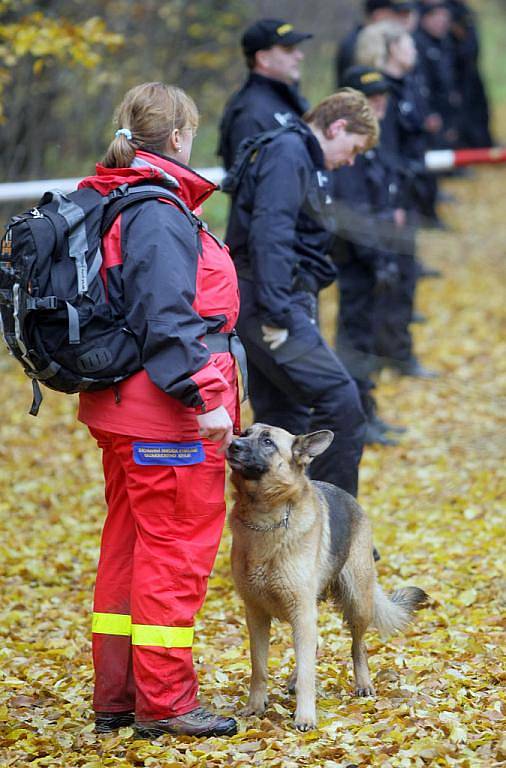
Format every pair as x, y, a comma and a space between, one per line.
295, 541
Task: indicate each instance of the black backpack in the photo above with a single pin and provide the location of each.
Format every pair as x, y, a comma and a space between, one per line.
247, 152
56, 320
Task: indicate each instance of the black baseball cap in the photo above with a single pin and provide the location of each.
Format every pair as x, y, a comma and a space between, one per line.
398, 6
427, 7
403, 6
368, 80
265, 33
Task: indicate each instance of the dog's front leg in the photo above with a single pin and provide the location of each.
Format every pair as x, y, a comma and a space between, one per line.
259, 624
305, 637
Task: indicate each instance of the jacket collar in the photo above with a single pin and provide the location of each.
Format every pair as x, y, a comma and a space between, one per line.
313, 146
396, 83
192, 188
289, 93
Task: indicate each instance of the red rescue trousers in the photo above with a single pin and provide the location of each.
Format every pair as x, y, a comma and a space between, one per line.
158, 547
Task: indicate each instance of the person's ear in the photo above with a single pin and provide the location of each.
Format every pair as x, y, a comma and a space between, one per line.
335, 128
175, 140
262, 58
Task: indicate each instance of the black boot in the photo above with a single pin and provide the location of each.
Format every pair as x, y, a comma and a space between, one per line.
374, 436
427, 272
107, 722
414, 368
385, 426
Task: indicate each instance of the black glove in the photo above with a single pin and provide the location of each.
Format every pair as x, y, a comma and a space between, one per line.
387, 275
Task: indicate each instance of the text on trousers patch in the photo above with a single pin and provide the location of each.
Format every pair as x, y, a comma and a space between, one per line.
169, 454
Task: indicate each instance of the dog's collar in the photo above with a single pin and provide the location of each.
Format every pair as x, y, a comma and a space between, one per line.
283, 523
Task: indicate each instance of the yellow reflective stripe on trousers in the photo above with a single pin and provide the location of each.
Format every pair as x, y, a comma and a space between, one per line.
162, 637
111, 624
142, 634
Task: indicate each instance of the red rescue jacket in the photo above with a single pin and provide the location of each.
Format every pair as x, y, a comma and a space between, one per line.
171, 296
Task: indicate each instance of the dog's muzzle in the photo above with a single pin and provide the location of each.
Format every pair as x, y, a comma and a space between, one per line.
244, 459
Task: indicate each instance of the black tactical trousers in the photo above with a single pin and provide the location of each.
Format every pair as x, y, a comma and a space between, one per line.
302, 386
394, 311
355, 331
355, 343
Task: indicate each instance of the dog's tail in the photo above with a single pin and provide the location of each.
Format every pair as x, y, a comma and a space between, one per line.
392, 613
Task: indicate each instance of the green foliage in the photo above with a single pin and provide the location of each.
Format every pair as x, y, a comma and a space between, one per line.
215, 213
493, 23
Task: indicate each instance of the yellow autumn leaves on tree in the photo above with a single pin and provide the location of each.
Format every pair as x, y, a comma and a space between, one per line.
47, 38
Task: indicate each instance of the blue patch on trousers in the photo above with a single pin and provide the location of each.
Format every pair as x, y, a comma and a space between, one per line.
169, 454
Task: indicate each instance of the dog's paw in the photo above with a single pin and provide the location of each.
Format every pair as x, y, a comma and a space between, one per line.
367, 690
305, 724
255, 707
305, 721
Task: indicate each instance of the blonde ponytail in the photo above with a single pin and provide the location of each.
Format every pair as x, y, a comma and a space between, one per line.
146, 118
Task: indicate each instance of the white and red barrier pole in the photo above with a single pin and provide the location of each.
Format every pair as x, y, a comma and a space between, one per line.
445, 159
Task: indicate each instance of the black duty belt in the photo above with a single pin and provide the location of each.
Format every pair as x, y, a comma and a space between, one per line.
230, 342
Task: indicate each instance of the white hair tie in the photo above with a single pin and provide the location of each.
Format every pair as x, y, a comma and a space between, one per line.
124, 132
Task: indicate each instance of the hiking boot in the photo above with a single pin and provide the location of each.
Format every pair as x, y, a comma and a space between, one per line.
107, 722
373, 436
384, 426
198, 722
415, 369
427, 272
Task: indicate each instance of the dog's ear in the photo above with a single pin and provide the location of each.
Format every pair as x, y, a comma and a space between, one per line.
306, 447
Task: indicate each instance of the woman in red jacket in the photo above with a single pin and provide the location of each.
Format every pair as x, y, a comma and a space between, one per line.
163, 430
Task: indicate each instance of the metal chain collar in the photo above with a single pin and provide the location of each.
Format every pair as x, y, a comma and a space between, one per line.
283, 523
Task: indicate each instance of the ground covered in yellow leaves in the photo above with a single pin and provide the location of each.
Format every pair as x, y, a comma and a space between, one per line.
435, 501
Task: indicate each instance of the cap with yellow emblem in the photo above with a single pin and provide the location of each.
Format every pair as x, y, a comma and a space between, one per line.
265, 33
368, 80
398, 6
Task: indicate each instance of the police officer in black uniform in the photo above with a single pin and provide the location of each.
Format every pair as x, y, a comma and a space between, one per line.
402, 11
270, 96
437, 65
367, 201
392, 47
278, 241
474, 123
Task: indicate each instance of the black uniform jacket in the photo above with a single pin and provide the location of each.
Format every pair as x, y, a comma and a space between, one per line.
345, 55
436, 60
261, 104
411, 107
277, 231
366, 196
474, 114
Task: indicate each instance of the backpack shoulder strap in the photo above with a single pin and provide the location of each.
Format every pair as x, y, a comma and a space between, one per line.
134, 195
247, 151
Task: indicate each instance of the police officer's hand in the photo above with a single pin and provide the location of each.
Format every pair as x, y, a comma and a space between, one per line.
216, 425
274, 337
433, 123
387, 276
400, 218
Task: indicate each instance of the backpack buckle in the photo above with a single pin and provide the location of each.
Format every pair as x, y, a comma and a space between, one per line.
48, 302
